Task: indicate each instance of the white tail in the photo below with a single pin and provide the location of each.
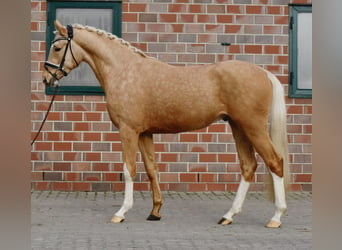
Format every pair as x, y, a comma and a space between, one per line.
278, 131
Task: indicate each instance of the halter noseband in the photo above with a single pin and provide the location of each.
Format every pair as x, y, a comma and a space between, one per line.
59, 67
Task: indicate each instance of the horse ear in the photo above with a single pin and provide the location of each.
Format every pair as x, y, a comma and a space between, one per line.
61, 29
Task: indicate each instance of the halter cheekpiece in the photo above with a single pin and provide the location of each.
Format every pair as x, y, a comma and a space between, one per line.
59, 67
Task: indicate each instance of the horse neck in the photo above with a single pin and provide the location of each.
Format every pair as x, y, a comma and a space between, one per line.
107, 58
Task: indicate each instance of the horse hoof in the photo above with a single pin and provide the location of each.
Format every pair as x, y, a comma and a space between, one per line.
153, 217
224, 221
273, 224
117, 219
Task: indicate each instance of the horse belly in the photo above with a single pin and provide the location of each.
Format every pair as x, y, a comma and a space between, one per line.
181, 115
175, 125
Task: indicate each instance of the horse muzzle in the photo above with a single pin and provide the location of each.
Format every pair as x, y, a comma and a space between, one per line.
54, 78
50, 81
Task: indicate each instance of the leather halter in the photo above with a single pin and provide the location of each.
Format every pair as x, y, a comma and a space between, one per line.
59, 67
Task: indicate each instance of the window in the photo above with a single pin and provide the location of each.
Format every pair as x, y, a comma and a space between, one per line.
104, 15
300, 51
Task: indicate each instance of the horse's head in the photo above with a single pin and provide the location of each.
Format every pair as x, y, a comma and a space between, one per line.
62, 56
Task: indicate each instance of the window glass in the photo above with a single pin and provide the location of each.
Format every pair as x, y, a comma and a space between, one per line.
300, 50
304, 51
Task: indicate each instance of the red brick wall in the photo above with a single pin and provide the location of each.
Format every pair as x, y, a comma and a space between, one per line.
79, 148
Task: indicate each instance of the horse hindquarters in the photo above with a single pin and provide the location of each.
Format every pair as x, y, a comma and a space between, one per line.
274, 152
254, 131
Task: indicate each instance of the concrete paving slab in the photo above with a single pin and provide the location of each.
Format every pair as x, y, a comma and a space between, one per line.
80, 220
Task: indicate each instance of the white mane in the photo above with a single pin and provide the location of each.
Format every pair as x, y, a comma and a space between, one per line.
111, 37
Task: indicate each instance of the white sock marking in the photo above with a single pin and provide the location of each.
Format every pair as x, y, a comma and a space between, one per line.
238, 200
280, 201
128, 200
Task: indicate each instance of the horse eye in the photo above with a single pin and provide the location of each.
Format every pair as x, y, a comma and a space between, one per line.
57, 49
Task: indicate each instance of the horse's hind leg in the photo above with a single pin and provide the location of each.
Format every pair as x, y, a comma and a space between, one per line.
129, 139
248, 166
264, 146
147, 151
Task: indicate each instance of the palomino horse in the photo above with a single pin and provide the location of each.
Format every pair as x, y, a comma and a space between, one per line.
146, 96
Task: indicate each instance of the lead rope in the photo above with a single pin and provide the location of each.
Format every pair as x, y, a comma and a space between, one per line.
46, 115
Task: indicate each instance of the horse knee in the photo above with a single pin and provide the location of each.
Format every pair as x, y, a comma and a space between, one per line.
248, 171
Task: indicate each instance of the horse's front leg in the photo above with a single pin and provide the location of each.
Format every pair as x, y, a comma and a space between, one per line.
129, 139
147, 151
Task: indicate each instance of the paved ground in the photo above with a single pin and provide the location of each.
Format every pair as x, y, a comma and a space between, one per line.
79, 220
